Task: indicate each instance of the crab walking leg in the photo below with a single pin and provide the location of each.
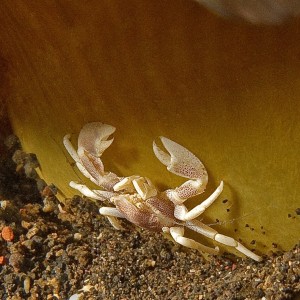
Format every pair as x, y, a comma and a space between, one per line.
177, 234
71, 150
112, 214
104, 194
184, 215
84, 190
115, 223
73, 153
229, 241
223, 239
110, 211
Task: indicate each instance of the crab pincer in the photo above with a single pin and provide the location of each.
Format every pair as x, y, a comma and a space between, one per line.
179, 160
92, 142
93, 138
184, 163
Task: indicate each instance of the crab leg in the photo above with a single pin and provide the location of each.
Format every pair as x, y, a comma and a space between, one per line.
115, 223
223, 239
182, 162
69, 147
94, 194
112, 214
183, 214
229, 241
177, 234
110, 211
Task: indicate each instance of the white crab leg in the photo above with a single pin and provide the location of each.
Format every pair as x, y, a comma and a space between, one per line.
84, 190
110, 211
112, 214
182, 162
229, 241
68, 145
223, 239
115, 223
183, 214
104, 194
177, 234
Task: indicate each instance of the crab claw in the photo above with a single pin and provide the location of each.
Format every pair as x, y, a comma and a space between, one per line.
179, 160
92, 142
182, 162
93, 138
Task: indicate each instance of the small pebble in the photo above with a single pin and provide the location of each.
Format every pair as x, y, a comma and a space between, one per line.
26, 284
7, 233
77, 236
76, 297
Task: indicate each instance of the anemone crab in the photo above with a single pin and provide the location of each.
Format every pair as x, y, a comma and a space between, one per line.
136, 199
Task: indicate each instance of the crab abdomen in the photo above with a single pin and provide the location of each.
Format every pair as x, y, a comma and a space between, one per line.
154, 214
140, 217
